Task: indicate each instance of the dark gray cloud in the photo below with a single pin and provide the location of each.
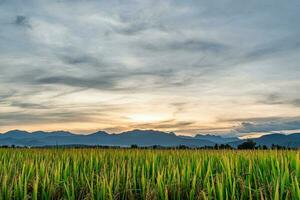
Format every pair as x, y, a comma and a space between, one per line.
274, 48
101, 82
81, 59
170, 124
111, 82
269, 126
34, 113
279, 99
28, 105
296, 102
22, 21
132, 29
23, 118
187, 45
5, 96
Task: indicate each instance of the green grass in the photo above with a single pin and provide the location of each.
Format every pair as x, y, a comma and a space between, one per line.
148, 174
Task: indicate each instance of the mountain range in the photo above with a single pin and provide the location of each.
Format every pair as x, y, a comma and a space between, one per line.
135, 137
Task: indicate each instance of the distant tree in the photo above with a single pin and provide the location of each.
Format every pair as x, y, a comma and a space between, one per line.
225, 146
262, 147
276, 146
156, 147
206, 147
183, 147
134, 146
249, 144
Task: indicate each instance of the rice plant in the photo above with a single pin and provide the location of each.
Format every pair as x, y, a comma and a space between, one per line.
148, 174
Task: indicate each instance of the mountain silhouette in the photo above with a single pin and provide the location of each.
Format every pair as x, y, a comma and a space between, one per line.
216, 138
134, 137
291, 140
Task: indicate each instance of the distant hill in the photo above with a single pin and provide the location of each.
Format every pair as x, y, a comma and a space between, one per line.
134, 137
18, 134
217, 139
291, 140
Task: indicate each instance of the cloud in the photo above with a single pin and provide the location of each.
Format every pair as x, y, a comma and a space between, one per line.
273, 48
296, 102
279, 99
80, 59
169, 125
111, 82
214, 58
280, 124
28, 105
22, 118
41, 114
132, 29
22, 21
187, 45
6, 95
74, 81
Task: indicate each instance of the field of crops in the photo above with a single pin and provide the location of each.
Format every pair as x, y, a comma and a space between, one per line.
148, 174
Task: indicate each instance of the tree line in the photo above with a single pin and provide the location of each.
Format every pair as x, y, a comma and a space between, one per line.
248, 144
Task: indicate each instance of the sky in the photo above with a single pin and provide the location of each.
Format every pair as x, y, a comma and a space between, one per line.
226, 67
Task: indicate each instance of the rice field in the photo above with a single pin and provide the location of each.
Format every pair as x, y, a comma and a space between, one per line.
148, 174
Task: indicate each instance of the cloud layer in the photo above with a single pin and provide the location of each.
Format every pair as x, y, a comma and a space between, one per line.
183, 66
